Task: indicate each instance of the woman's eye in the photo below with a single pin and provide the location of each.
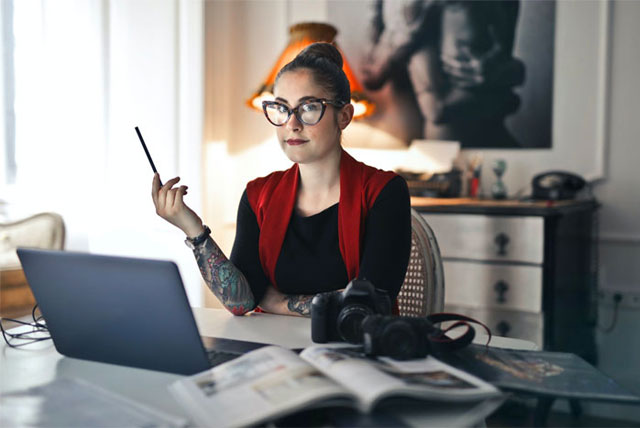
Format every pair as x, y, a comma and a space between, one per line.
310, 107
282, 109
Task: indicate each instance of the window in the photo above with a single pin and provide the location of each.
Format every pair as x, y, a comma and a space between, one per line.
85, 73
7, 121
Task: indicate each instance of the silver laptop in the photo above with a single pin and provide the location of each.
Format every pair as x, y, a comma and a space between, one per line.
120, 310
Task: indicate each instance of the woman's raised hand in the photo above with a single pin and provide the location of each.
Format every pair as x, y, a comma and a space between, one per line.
171, 207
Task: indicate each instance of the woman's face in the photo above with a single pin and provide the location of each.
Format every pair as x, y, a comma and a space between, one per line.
308, 143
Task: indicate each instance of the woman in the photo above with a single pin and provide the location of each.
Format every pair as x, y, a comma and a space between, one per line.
326, 220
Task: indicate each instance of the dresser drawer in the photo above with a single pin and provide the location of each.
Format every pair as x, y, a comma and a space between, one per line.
496, 238
516, 324
484, 285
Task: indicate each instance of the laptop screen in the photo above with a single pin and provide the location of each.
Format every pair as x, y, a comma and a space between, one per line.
118, 310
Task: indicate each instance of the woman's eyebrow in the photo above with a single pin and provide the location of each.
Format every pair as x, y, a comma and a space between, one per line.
305, 98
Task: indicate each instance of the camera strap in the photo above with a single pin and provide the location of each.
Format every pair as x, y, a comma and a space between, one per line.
439, 336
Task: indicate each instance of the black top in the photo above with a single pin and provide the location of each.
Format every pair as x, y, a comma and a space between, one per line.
310, 261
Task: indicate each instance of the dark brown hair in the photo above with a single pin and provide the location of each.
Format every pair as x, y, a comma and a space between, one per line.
324, 61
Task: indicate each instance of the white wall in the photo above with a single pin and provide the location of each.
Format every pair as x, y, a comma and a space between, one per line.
582, 98
619, 194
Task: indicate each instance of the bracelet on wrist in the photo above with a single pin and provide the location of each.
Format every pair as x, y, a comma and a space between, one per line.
198, 240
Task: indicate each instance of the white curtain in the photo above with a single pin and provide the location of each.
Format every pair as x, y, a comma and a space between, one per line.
86, 73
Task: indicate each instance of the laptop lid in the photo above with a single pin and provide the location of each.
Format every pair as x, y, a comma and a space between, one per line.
118, 310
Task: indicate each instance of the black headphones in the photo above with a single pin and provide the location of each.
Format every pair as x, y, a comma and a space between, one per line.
404, 338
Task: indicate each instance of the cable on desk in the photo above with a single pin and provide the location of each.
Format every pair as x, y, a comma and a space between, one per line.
38, 326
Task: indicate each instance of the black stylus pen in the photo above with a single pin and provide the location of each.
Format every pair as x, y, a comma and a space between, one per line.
144, 146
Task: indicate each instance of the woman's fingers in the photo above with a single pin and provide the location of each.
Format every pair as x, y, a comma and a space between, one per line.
167, 199
169, 184
171, 196
155, 187
169, 204
173, 199
180, 192
162, 193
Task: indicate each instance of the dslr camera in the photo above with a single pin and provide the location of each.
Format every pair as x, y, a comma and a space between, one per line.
401, 338
405, 338
338, 315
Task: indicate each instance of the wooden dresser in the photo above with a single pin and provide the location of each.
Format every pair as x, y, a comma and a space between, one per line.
526, 269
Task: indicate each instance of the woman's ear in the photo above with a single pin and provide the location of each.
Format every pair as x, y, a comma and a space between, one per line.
345, 115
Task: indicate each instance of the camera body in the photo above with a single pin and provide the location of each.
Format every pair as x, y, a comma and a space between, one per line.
338, 315
401, 338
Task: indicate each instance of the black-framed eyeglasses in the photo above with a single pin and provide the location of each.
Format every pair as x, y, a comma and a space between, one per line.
308, 112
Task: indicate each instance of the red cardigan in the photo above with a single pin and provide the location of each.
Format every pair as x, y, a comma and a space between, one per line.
272, 199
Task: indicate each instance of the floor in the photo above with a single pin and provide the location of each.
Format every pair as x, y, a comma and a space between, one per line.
521, 415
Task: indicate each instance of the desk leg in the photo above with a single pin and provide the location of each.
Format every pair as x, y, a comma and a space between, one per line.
576, 408
541, 412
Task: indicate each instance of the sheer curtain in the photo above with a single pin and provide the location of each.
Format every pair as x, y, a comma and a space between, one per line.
86, 72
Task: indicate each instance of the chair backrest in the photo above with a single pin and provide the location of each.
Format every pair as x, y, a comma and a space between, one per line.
43, 230
422, 292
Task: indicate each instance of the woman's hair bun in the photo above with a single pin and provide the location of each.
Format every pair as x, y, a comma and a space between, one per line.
323, 50
325, 63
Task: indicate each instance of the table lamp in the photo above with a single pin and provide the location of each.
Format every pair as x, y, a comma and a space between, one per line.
300, 36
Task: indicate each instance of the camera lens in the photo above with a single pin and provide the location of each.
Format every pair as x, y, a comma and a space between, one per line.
399, 341
350, 322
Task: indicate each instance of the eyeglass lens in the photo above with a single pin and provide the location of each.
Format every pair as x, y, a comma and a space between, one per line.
308, 112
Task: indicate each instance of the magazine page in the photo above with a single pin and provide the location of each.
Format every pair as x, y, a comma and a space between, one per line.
375, 379
346, 365
259, 386
555, 374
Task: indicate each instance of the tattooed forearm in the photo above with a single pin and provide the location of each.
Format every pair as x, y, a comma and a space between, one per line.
225, 280
299, 303
276, 302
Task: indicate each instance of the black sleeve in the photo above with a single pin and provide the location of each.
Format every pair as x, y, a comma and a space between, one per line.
387, 239
245, 254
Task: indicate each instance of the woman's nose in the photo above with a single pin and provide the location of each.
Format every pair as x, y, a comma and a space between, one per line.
294, 124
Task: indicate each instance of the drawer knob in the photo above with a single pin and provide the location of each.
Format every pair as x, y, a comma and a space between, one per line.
503, 328
502, 240
501, 288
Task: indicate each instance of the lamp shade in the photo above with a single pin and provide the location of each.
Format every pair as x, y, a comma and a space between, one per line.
300, 36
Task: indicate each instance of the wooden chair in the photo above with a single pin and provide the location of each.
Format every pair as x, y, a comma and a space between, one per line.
422, 292
44, 230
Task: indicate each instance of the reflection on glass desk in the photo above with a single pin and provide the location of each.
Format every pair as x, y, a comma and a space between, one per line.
40, 363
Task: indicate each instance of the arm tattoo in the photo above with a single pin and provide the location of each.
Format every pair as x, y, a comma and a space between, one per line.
300, 303
225, 280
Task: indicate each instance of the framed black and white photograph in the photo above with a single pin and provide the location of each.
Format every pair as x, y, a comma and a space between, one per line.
477, 72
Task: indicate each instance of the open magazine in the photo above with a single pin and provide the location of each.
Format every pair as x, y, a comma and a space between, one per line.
551, 374
272, 382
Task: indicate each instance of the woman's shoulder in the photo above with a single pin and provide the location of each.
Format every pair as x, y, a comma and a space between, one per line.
258, 181
384, 181
262, 189
375, 176
396, 186
271, 179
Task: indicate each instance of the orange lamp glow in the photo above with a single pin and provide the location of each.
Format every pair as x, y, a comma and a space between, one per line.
300, 36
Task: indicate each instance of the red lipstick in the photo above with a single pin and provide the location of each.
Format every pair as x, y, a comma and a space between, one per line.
295, 142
